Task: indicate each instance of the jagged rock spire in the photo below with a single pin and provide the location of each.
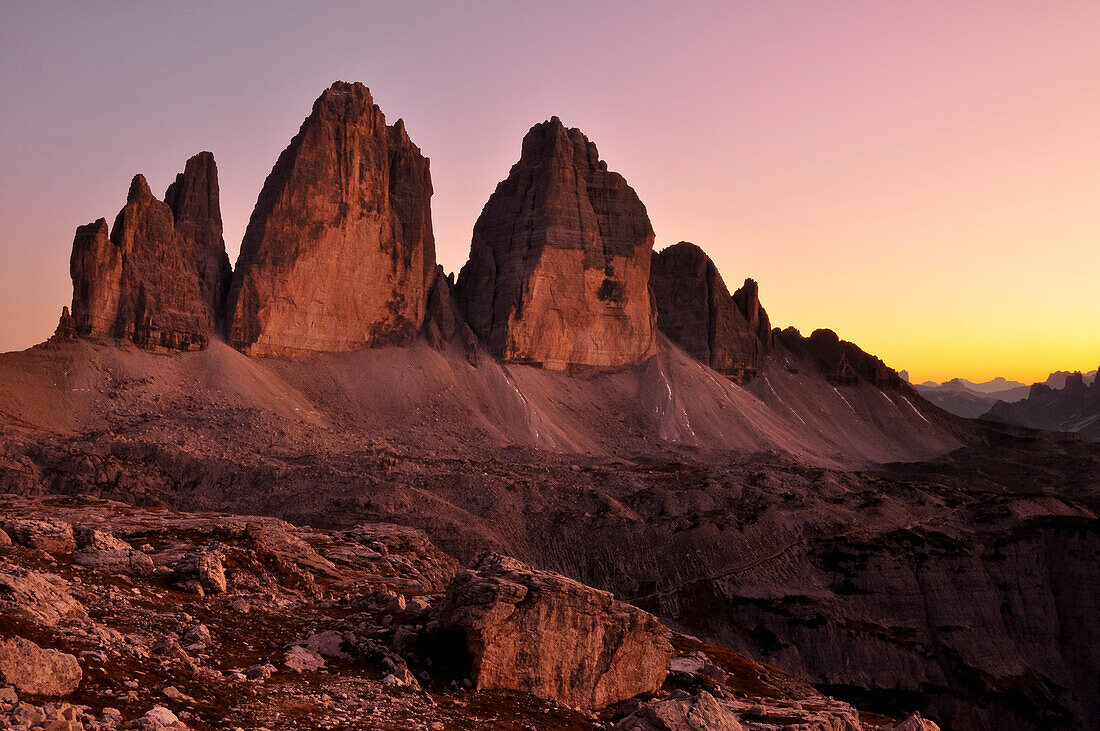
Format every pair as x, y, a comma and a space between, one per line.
339, 253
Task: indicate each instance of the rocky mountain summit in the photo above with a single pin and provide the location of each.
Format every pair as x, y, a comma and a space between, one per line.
159, 278
729, 333
339, 253
558, 274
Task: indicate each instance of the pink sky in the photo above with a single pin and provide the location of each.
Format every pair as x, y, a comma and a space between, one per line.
921, 177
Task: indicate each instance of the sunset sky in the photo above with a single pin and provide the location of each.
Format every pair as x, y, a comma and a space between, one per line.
921, 177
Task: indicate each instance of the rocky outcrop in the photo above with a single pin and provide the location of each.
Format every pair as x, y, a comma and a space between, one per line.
559, 263
51, 536
96, 270
195, 201
38, 671
159, 278
550, 636
101, 551
44, 599
747, 300
730, 333
339, 253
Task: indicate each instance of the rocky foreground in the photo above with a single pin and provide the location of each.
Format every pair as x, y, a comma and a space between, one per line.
119, 617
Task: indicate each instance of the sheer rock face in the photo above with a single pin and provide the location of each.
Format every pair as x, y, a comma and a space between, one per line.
558, 274
730, 333
96, 270
196, 207
339, 253
159, 278
545, 634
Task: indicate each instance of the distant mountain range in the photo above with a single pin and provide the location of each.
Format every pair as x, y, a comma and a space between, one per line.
991, 399
971, 400
1075, 407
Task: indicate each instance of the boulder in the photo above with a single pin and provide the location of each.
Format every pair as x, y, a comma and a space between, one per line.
155, 719
339, 253
37, 597
558, 274
159, 279
301, 659
50, 535
101, 551
544, 634
211, 572
202, 572
916, 723
38, 671
681, 712
729, 333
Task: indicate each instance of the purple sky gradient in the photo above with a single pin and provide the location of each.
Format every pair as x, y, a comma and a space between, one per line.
922, 177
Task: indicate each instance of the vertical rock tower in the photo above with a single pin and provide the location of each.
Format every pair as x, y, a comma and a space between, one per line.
159, 278
730, 333
339, 253
558, 274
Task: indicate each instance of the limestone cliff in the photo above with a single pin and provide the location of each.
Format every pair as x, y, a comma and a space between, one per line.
339, 253
558, 274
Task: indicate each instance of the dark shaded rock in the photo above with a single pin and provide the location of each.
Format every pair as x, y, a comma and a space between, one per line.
747, 300
195, 201
339, 253
1073, 408
558, 274
66, 327
96, 270
730, 333
841, 362
443, 321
